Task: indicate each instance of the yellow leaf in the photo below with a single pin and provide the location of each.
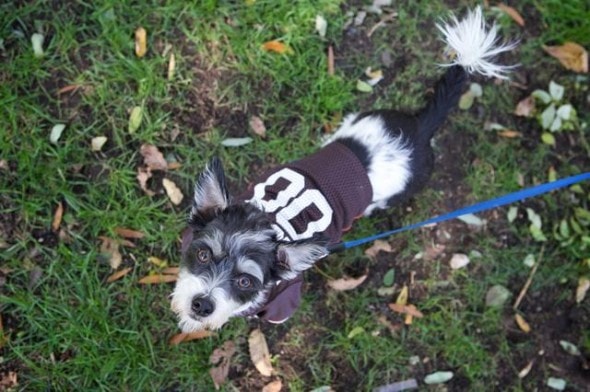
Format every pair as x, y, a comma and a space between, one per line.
582, 289
140, 42
157, 262
187, 337
511, 12
522, 324
259, 353
156, 279
402, 298
277, 47
571, 55
59, 211
172, 191
135, 118
119, 274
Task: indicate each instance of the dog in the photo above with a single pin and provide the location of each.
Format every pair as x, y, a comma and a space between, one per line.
244, 256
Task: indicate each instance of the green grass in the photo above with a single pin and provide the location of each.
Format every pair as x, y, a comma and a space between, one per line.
67, 328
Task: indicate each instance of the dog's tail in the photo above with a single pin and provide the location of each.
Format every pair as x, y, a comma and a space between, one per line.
474, 46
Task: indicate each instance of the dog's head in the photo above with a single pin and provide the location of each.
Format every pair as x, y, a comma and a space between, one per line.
232, 258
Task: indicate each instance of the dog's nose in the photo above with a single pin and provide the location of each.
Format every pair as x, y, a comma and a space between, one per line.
202, 306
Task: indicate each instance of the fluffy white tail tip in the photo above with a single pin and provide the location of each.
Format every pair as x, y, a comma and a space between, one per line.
474, 45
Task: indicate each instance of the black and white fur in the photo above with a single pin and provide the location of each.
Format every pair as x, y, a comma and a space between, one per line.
235, 257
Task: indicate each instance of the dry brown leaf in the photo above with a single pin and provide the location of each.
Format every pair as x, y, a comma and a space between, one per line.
174, 165
174, 193
511, 12
119, 274
402, 298
406, 309
330, 60
152, 157
129, 233
273, 386
522, 324
171, 271
110, 248
378, 246
393, 328
188, 336
140, 42
571, 55
8, 381
432, 252
171, 66
345, 284
67, 89
59, 212
156, 279
526, 107
257, 126
143, 175
526, 370
509, 134
259, 353
582, 289
126, 243
221, 357
276, 46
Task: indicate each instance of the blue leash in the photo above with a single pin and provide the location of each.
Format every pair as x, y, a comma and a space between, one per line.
475, 208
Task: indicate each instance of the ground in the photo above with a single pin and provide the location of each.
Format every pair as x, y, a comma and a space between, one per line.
64, 325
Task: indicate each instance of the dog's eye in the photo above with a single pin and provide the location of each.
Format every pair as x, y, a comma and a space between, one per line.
204, 255
244, 282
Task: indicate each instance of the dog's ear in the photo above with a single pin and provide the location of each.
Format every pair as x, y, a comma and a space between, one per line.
295, 257
210, 196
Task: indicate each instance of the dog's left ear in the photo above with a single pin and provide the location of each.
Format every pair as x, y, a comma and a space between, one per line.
210, 196
295, 257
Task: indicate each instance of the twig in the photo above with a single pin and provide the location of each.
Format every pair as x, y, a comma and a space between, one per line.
383, 20
528, 282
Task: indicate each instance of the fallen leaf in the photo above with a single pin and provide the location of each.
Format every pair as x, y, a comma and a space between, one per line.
37, 42
157, 279
171, 66
221, 357
8, 381
129, 233
571, 55
324, 388
548, 138
152, 157
56, 132
97, 143
257, 126
529, 260
273, 386
438, 377
526, 370
276, 46
398, 386
173, 192
59, 212
363, 86
374, 76
471, 219
406, 309
345, 284
119, 274
582, 289
476, 90
188, 336
259, 353
509, 134
135, 118
68, 88
459, 260
432, 252
140, 42
171, 271
466, 100
157, 262
389, 277
34, 276
497, 296
355, 331
526, 107
174, 165
378, 246
385, 291
402, 298
321, 25
143, 175
110, 248
556, 91
556, 383
570, 348
393, 328
511, 12
236, 141
522, 324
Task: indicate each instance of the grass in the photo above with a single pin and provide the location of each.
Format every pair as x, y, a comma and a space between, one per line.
65, 327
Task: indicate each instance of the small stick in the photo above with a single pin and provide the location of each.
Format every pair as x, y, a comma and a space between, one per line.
330, 60
528, 282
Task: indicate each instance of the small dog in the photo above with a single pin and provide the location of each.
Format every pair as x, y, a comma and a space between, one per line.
244, 257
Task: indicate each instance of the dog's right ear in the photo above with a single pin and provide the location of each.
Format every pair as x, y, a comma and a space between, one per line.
210, 196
